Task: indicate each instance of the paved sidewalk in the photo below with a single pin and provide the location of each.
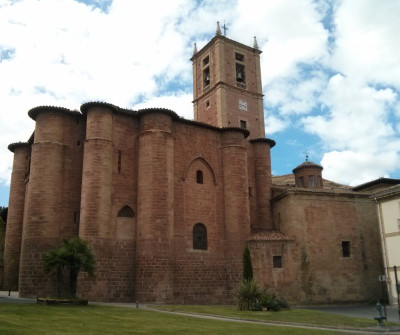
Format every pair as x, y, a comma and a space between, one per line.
14, 298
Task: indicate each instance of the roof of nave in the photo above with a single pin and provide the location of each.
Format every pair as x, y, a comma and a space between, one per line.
376, 185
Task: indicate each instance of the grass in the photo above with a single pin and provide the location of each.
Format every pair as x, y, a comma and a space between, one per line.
298, 316
98, 319
95, 319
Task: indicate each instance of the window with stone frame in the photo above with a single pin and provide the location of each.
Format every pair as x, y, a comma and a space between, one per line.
277, 262
199, 237
345, 248
199, 177
126, 212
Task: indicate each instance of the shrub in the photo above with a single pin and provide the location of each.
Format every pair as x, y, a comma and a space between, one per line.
248, 296
273, 303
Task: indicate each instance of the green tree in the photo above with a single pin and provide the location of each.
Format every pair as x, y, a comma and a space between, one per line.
55, 260
247, 266
75, 255
80, 258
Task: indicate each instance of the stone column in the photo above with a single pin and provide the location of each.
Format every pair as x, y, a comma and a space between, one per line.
263, 180
236, 202
95, 219
154, 276
44, 201
12, 248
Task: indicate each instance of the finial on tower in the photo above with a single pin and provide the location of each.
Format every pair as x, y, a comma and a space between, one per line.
255, 44
195, 49
218, 29
307, 154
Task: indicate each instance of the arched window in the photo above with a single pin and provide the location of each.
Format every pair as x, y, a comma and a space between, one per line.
126, 212
199, 236
199, 177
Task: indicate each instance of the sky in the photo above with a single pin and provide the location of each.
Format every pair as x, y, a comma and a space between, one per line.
330, 70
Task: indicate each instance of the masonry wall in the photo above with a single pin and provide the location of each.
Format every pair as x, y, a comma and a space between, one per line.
52, 198
12, 248
315, 271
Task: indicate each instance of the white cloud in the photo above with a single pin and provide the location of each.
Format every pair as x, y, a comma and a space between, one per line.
355, 168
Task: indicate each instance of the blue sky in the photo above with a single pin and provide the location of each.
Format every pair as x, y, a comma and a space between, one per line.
330, 70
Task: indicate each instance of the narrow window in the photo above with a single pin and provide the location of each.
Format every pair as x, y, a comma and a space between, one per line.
76, 218
311, 181
207, 103
301, 181
250, 192
206, 60
243, 124
126, 212
277, 262
345, 248
199, 177
199, 237
119, 161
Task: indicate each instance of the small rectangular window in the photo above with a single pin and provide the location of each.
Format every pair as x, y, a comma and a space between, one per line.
277, 262
239, 57
345, 248
243, 124
206, 60
301, 181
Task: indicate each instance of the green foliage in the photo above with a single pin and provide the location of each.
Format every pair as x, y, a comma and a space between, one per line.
75, 255
248, 296
273, 303
4, 213
247, 266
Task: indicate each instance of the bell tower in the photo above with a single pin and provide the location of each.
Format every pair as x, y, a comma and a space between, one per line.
227, 90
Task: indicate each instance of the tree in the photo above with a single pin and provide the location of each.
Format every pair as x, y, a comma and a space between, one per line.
80, 258
55, 260
75, 255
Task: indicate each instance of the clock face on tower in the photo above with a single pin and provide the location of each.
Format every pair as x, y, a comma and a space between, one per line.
242, 105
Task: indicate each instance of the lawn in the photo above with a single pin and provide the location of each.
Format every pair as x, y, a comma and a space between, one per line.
96, 319
303, 316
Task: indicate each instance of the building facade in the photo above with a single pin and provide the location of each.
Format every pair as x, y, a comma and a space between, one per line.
168, 205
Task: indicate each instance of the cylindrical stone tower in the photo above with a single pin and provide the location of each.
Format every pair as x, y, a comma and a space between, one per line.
236, 201
263, 179
154, 281
12, 248
95, 219
44, 210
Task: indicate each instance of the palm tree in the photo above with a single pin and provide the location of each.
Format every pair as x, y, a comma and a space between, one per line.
76, 256
80, 258
55, 261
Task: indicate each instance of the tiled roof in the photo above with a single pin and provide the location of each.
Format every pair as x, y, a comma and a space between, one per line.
268, 235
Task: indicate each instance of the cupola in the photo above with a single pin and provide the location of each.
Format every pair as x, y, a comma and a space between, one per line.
308, 174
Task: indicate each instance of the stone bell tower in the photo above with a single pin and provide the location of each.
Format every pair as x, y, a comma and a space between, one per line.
227, 90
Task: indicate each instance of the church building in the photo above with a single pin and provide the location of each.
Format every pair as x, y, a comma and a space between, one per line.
168, 204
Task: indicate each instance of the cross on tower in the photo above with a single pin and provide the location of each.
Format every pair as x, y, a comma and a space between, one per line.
224, 28
306, 153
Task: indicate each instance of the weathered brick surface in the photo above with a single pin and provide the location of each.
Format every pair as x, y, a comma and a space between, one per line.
13, 238
314, 270
127, 182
